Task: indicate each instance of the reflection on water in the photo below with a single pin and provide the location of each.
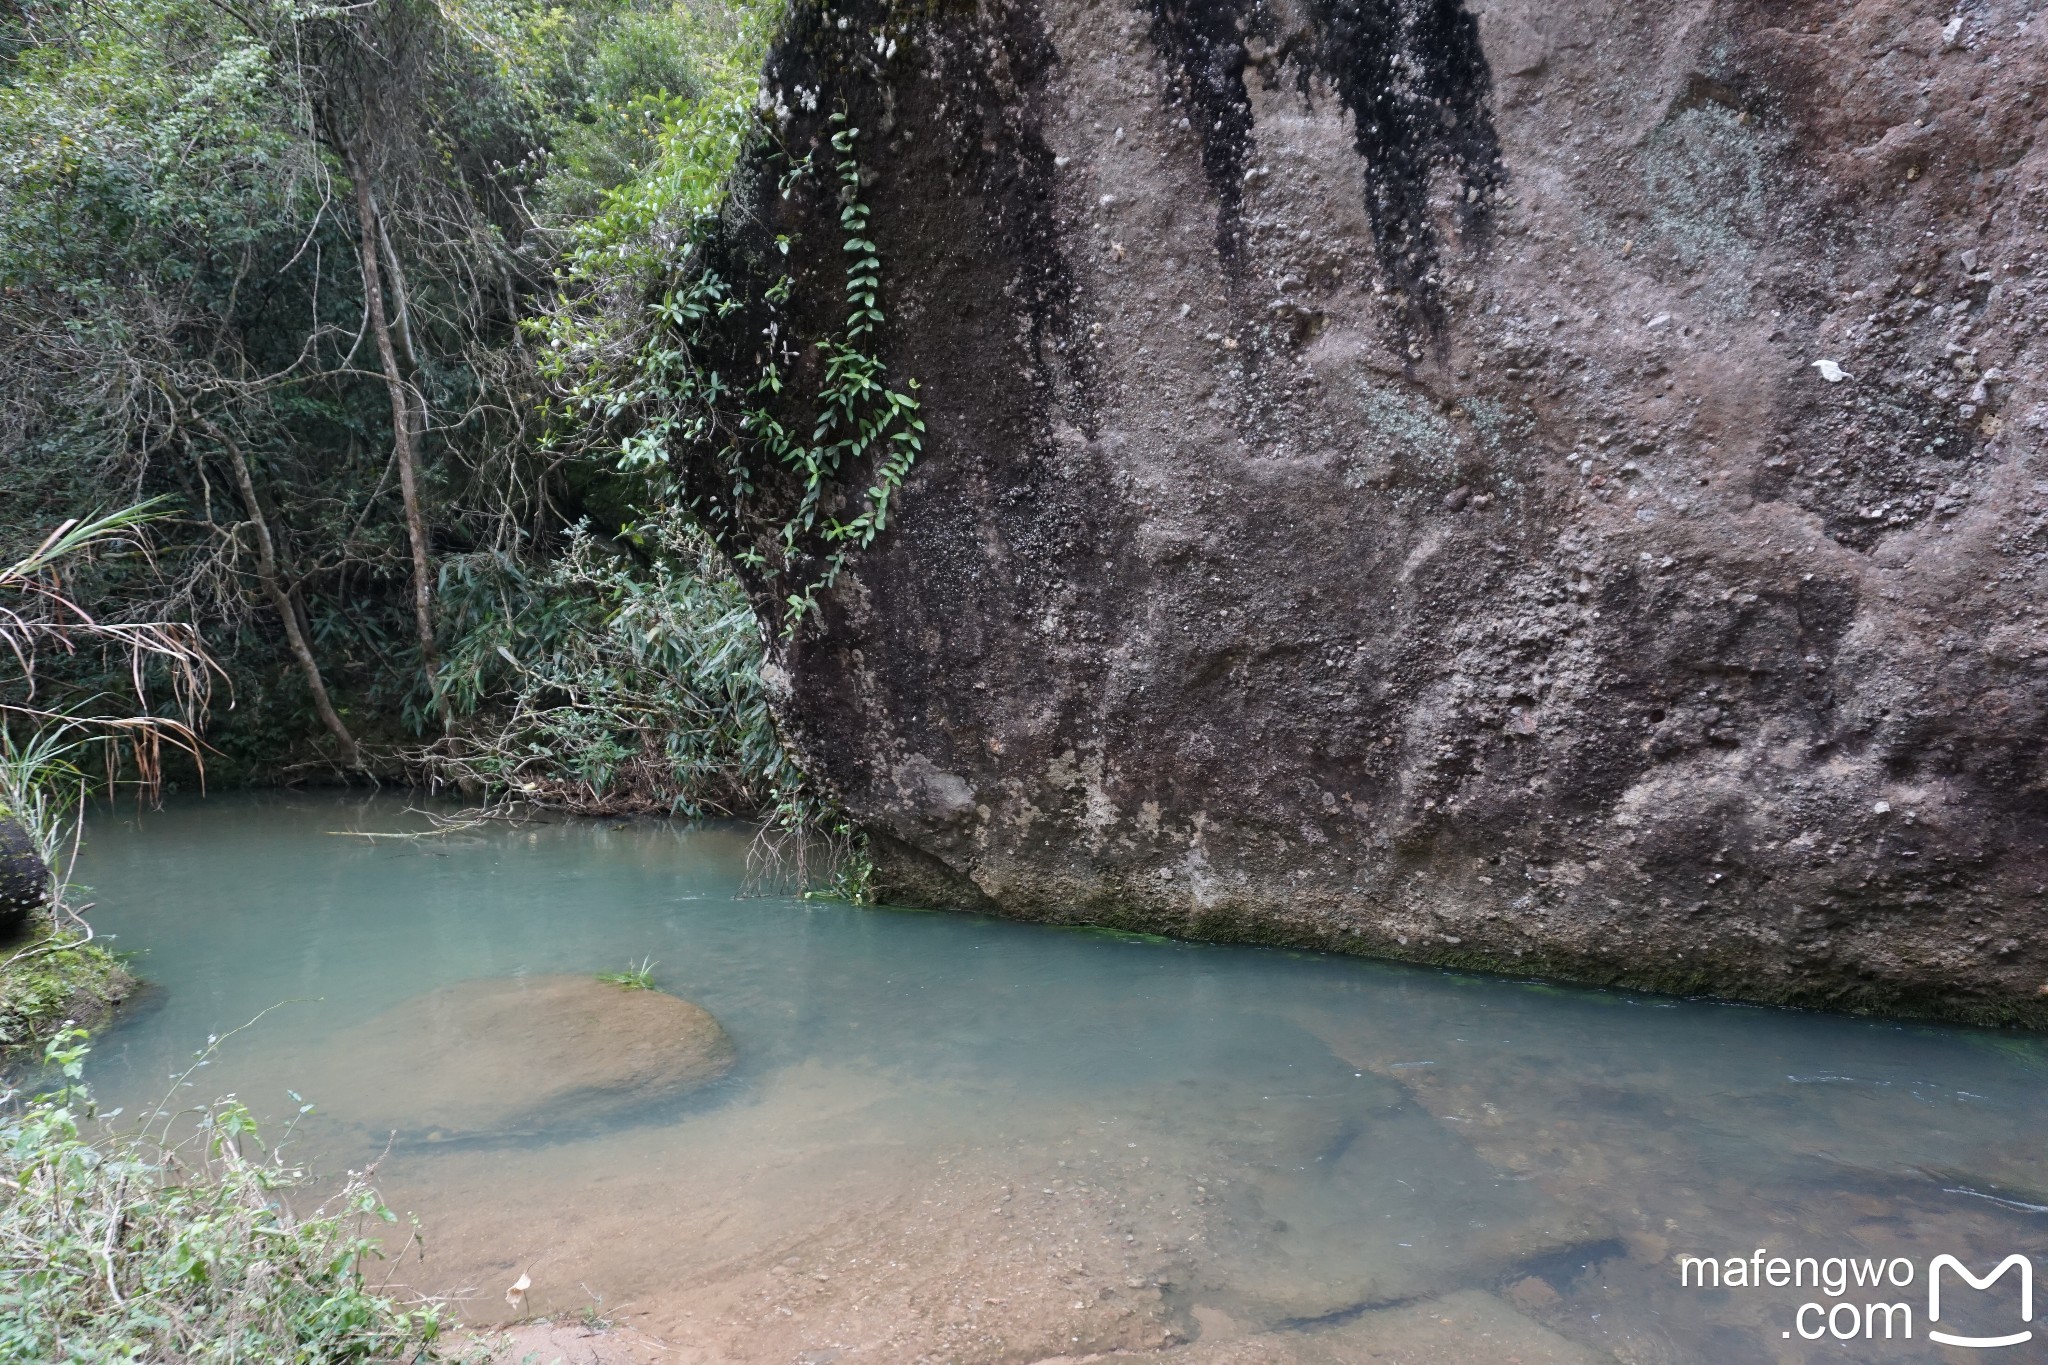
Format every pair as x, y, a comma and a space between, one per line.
964, 1139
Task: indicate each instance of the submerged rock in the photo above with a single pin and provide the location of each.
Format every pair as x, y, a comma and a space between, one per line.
24, 877
1464, 1325
510, 1055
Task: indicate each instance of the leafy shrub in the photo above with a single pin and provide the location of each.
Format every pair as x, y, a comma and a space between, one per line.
128, 1244
608, 686
53, 979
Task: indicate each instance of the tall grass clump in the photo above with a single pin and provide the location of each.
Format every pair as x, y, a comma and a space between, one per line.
608, 683
626, 678
127, 1243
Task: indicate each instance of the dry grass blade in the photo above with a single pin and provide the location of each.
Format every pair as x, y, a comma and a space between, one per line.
40, 612
36, 613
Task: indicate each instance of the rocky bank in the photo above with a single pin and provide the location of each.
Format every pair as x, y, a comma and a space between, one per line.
1547, 487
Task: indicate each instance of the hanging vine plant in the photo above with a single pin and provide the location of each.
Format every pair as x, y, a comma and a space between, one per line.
858, 418
789, 449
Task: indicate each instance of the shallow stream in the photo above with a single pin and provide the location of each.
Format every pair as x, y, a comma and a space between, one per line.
956, 1138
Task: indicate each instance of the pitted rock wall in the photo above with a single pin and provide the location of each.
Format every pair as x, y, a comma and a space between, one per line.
1386, 486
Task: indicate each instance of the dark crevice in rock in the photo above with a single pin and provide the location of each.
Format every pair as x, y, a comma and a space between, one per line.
907, 875
1337, 1317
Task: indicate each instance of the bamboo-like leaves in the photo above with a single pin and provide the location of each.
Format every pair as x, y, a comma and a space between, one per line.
37, 613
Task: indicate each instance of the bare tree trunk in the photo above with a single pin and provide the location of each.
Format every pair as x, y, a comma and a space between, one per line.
281, 601
401, 295
403, 431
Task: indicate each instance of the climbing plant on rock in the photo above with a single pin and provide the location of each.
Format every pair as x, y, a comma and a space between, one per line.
857, 415
709, 394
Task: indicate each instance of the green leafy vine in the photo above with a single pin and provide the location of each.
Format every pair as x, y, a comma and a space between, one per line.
857, 417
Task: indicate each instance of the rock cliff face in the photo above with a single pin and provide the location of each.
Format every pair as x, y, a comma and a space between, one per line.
1546, 485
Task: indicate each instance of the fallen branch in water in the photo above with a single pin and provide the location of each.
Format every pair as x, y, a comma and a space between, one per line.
475, 817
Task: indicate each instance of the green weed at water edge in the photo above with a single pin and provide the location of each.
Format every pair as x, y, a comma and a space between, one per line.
639, 977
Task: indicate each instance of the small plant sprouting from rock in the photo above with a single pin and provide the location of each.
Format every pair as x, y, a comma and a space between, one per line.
853, 874
638, 977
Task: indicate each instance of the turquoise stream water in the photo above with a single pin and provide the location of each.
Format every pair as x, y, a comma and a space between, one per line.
1235, 1142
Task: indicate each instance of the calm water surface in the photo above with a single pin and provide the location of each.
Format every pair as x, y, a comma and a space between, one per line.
951, 1137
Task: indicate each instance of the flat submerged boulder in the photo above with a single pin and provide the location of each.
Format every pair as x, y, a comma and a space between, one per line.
508, 1055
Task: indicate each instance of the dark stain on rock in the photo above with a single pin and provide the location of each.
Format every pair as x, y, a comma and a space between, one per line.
1419, 90
1417, 85
994, 230
1203, 43
992, 90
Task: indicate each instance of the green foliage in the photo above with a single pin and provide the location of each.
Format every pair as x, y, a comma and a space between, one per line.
665, 379
646, 223
646, 73
59, 974
638, 977
173, 273
808, 847
179, 271
148, 177
110, 156
51, 981
180, 274
858, 417
853, 874
606, 683
126, 1244
40, 786
641, 357
840, 850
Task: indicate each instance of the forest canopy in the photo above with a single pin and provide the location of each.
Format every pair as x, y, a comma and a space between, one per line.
315, 277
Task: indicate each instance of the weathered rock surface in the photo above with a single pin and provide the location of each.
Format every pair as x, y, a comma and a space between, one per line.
517, 1054
1456, 1329
24, 879
1382, 490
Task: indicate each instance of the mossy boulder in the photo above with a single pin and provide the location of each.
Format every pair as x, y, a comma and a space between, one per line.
59, 982
505, 1056
24, 877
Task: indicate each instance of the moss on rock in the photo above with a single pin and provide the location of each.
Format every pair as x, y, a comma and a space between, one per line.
51, 980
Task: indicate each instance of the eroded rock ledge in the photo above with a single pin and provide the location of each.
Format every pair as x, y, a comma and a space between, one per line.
1381, 494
